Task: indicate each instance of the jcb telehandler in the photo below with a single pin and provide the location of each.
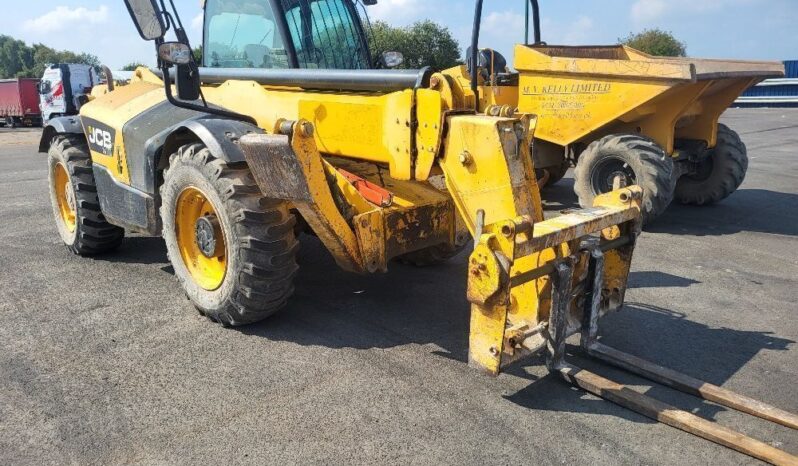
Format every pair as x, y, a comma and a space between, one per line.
233, 160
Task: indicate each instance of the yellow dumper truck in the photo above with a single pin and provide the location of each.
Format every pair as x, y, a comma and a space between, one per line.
613, 111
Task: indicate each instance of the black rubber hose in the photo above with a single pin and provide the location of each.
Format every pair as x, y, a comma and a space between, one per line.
475, 53
536, 20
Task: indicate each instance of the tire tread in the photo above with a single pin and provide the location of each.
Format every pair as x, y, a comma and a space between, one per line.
657, 178
95, 235
731, 156
266, 246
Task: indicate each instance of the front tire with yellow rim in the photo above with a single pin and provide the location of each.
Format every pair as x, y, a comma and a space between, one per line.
233, 250
73, 195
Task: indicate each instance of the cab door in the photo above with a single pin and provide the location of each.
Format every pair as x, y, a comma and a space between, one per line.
327, 34
281, 34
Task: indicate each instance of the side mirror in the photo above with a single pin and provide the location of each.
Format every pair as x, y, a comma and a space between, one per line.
147, 18
187, 78
44, 87
392, 59
175, 53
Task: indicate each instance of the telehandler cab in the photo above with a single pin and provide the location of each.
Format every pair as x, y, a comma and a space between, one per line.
236, 158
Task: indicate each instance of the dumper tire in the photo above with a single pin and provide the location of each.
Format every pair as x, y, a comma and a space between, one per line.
430, 256
258, 246
557, 173
73, 195
719, 173
641, 160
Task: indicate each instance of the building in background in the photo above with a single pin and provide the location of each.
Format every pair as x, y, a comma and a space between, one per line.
781, 92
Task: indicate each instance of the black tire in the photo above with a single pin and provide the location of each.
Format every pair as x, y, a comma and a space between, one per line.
638, 159
551, 158
719, 173
259, 238
11, 122
557, 173
433, 255
91, 233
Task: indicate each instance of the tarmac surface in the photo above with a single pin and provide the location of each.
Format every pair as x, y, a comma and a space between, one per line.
105, 361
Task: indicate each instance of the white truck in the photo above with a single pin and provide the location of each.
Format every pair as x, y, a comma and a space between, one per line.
64, 88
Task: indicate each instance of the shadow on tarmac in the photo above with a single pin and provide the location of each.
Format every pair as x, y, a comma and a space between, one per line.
559, 196
666, 338
334, 309
654, 279
138, 250
754, 210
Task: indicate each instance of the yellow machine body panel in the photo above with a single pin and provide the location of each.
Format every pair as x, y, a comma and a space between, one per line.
104, 117
382, 122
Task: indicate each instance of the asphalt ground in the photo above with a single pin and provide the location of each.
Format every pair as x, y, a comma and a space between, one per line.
105, 361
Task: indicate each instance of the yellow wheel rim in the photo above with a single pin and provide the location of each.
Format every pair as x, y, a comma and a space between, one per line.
65, 197
200, 239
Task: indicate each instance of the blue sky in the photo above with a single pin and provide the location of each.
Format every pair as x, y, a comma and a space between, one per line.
755, 29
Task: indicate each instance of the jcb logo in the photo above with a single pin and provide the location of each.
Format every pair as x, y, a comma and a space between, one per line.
100, 137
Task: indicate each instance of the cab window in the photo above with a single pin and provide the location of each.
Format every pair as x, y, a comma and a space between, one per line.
242, 34
245, 34
326, 34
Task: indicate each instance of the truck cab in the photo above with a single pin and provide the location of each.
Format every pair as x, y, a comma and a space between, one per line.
64, 88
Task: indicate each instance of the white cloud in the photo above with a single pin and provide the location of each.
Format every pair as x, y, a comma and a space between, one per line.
499, 22
647, 11
578, 31
196, 23
62, 18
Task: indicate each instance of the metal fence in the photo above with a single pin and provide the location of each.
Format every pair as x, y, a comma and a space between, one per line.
782, 92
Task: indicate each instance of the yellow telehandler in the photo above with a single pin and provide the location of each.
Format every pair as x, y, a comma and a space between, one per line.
234, 159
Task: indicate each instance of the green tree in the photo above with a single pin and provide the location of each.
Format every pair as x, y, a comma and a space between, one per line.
197, 52
17, 59
656, 42
425, 43
132, 66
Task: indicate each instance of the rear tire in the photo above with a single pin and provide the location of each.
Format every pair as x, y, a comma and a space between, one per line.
557, 173
638, 160
549, 158
254, 238
73, 195
718, 174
